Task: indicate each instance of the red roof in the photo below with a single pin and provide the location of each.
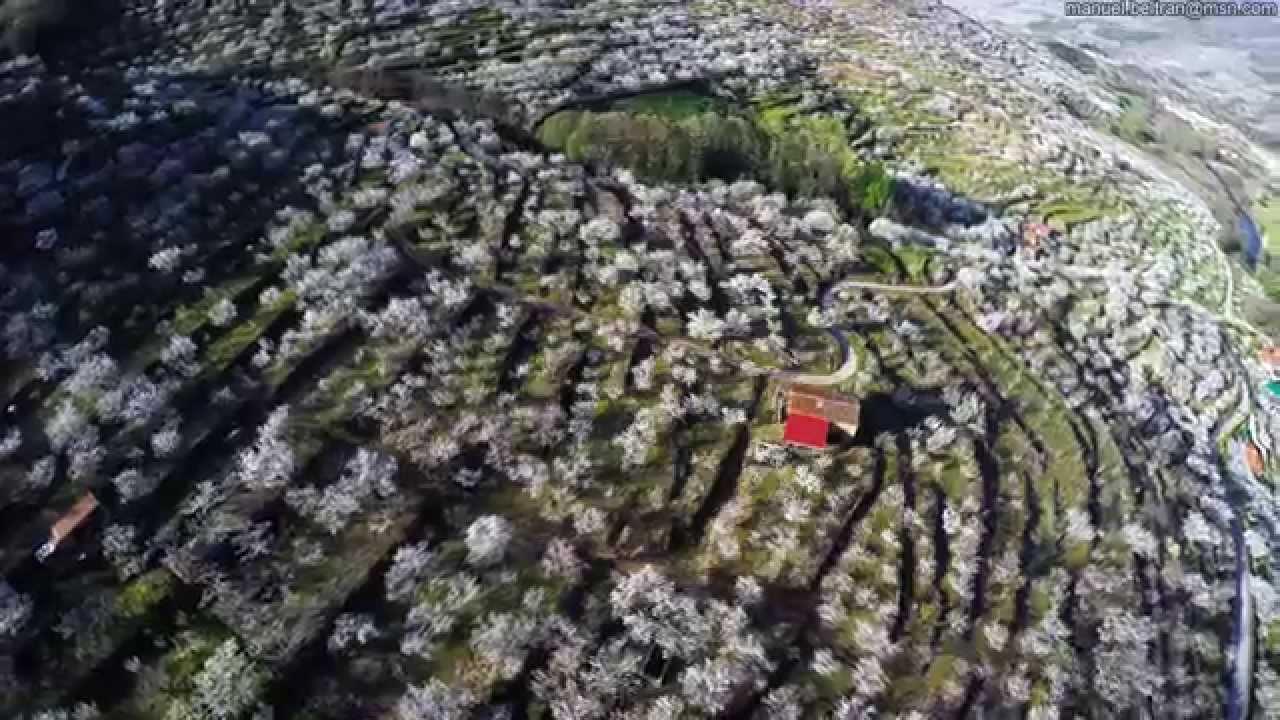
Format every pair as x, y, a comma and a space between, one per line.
74, 517
1253, 457
806, 430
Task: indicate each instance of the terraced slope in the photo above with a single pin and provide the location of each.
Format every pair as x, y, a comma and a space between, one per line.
454, 392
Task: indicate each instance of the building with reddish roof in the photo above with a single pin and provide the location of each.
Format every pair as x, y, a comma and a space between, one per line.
1253, 458
67, 524
812, 411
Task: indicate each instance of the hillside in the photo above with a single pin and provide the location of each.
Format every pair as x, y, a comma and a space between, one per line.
426, 360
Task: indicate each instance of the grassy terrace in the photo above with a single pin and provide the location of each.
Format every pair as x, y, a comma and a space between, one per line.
784, 520
1043, 445
1046, 439
968, 154
1266, 213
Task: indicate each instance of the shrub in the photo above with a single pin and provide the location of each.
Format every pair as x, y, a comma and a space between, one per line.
1133, 123
689, 148
144, 593
556, 130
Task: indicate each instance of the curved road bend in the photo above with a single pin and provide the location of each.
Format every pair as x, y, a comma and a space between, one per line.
849, 361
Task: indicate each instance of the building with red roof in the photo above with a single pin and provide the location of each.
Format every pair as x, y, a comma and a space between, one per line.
67, 524
812, 411
1253, 458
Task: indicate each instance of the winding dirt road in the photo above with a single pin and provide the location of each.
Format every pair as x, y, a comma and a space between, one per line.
849, 363
849, 360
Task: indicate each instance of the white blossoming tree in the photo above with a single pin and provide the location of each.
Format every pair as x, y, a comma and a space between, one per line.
487, 539
269, 463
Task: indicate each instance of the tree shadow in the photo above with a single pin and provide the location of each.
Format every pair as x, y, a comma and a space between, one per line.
894, 413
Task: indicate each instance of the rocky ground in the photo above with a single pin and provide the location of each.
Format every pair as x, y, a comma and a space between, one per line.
425, 359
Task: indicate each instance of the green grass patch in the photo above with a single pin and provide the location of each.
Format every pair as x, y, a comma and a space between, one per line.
1271, 637
371, 373
954, 482
674, 105
882, 259
944, 669
1066, 214
1117, 505
771, 433
174, 675
916, 261
189, 656
773, 115
144, 593
1266, 213
223, 351
308, 237
746, 350
189, 318
769, 484
1134, 122
1075, 556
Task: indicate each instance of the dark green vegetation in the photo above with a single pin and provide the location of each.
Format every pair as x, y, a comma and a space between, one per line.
1134, 122
687, 136
674, 105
